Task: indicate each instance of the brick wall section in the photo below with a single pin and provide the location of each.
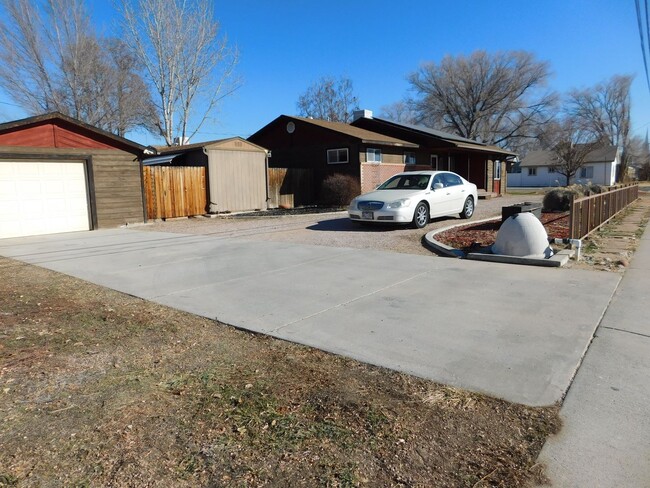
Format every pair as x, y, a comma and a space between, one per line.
490, 175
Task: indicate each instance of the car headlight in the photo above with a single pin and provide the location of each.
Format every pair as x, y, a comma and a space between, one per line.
402, 202
353, 204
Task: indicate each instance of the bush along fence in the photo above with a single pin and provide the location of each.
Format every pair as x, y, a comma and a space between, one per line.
589, 213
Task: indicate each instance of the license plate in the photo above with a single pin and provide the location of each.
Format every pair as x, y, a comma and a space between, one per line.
367, 215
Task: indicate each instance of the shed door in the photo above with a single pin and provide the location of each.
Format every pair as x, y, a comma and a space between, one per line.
42, 198
237, 180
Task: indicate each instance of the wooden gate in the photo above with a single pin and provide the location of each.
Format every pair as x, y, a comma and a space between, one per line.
174, 191
290, 187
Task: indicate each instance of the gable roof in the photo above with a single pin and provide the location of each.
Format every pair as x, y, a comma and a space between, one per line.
206, 144
364, 135
53, 117
453, 139
605, 154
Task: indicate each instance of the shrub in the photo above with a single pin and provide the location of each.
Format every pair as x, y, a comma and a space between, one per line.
338, 190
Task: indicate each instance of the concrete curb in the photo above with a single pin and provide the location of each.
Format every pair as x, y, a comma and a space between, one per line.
557, 260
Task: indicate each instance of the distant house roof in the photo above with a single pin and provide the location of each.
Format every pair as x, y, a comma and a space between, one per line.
365, 136
453, 139
605, 154
38, 120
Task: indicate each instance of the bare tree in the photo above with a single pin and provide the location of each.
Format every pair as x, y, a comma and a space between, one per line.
188, 64
494, 98
569, 144
604, 111
329, 99
400, 112
51, 60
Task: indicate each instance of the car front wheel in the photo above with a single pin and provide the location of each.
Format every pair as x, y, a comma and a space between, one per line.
468, 208
421, 215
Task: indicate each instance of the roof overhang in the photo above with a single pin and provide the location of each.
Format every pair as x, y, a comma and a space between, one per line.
387, 143
485, 149
163, 159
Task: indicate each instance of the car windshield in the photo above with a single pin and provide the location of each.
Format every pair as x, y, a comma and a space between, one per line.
406, 182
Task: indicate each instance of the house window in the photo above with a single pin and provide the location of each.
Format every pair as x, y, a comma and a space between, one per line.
434, 161
409, 158
337, 156
587, 172
552, 169
532, 171
373, 155
497, 170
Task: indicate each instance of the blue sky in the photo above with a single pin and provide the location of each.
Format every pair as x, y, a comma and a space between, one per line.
287, 45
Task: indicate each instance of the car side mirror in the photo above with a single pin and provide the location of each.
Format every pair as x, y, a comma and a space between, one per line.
438, 186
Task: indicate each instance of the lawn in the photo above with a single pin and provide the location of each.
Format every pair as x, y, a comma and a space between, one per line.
103, 389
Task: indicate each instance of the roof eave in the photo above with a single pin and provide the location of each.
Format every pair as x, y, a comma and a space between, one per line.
390, 143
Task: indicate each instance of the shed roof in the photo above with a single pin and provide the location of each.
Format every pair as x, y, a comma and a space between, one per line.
213, 144
605, 154
57, 118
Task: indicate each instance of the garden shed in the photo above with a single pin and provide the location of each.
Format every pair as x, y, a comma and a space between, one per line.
236, 171
58, 174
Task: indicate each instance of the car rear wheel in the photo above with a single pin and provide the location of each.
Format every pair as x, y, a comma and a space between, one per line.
468, 208
421, 216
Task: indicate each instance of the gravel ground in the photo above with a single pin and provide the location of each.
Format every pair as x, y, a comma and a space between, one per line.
332, 229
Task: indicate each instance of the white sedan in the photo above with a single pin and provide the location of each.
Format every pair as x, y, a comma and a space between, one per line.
415, 197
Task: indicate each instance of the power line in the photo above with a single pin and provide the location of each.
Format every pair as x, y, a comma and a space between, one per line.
639, 19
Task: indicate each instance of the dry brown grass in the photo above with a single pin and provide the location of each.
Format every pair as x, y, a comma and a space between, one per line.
102, 389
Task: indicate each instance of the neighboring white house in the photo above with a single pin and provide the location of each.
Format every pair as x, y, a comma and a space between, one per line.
537, 169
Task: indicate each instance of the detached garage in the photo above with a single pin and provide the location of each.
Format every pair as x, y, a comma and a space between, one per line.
58, 174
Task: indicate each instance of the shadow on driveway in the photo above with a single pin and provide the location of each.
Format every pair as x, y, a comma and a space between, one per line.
344, 224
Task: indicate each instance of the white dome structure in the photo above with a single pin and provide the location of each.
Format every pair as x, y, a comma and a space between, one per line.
522, 235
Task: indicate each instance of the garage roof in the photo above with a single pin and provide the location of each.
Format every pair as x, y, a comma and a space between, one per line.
71, 133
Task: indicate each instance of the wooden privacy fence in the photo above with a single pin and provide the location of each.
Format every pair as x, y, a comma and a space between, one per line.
589, 213
289, 187
174, 191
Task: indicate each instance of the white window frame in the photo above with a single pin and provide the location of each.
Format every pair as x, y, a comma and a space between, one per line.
434, 162
337, 152
532, 171
407, 156
497, 170
374, 153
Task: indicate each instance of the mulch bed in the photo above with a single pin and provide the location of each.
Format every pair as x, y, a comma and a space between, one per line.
472, 236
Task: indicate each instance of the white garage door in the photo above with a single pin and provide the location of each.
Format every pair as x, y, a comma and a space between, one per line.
42, 198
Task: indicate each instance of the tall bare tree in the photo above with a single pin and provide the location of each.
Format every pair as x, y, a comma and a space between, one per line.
51, 60
400, 112
188, 63
329, 99
569, 144
495, 98
604, 111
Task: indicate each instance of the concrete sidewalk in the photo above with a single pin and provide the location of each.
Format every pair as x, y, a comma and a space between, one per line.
605, 438
514, 332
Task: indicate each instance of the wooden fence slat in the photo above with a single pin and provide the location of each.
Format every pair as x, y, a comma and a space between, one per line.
174, 191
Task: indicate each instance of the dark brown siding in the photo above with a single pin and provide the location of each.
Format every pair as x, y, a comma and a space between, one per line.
118, 190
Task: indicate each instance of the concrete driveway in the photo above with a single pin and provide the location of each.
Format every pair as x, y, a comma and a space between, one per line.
513, 332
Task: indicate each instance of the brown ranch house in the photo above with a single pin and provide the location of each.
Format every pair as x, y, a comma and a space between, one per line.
58, 174
373, 149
